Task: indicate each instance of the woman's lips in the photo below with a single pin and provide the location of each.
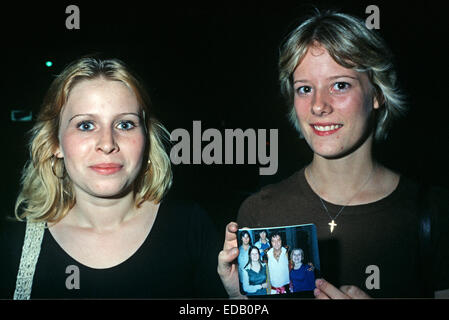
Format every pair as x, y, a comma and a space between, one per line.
325, 129
106, 168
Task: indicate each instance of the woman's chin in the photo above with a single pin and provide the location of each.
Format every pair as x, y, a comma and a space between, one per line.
330, 152
110, 192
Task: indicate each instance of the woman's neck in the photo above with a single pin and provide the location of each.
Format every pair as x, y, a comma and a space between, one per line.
297, 266
340, 180
102, 214
255, 266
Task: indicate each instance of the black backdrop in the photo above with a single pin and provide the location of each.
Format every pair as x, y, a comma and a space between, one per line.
217, 63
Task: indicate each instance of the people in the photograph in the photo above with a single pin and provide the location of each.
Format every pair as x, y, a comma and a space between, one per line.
341, 86
246, 241
302, 276
262, 243
254, 276
95, 198
278, 265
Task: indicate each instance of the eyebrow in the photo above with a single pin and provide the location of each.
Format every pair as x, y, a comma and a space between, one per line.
330, 78
93, 115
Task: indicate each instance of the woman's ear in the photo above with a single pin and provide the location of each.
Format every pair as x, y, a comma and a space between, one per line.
378, 100
58, 153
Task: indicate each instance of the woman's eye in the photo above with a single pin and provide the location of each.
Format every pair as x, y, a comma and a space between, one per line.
303, 89
85, 126
341, 86
126, 125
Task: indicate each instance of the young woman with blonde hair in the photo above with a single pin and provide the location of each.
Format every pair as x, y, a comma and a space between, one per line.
98, 221
339, 81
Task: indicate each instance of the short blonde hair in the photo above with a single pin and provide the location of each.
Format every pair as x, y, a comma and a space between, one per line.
352, 45
47, 192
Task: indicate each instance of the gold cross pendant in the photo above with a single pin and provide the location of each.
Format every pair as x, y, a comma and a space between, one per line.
332, 224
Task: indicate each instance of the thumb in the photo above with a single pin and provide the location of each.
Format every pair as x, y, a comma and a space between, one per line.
354, 292
225, 260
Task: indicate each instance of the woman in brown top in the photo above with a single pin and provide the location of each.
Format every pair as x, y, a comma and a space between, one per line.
339, 80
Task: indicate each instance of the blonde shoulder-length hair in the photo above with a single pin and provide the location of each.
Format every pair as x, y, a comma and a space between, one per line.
46, 190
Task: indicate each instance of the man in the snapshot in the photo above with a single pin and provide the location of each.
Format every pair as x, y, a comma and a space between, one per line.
278, 265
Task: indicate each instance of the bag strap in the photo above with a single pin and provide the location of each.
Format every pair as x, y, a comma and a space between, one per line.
34, 234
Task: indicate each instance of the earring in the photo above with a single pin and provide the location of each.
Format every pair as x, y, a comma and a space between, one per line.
52, 161
148, 169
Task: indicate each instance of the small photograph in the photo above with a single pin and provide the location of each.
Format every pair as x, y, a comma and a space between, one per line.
278, 260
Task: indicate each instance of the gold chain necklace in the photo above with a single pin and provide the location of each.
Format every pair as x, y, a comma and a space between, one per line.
332, 224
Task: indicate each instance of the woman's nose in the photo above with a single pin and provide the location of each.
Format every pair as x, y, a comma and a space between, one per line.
321, 104
107, 142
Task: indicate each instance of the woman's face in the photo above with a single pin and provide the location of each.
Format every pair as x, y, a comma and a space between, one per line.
333, 103
296, 257
101, 138
255, 255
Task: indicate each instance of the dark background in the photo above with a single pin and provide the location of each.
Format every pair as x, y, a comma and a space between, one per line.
217, 63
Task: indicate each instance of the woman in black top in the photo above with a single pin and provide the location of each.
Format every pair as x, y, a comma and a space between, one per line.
97, 222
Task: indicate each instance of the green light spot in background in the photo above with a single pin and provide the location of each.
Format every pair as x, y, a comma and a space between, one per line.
49, 64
